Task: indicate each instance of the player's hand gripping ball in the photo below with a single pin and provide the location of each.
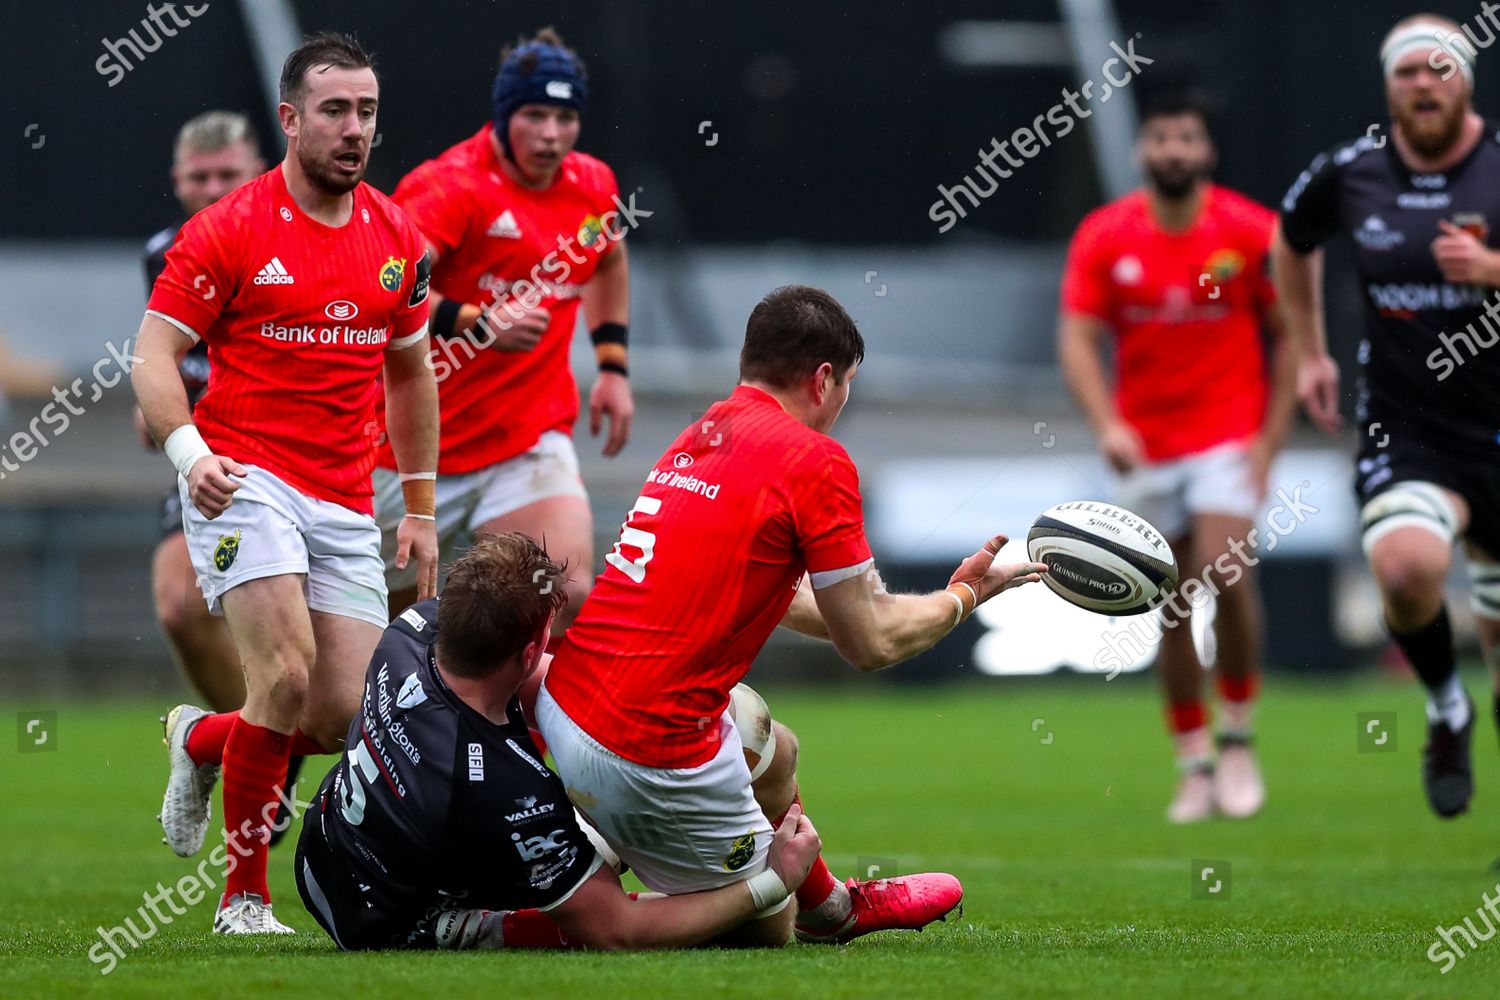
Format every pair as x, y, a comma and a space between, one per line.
1102, 557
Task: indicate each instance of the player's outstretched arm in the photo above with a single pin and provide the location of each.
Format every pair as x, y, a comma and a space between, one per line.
411, 404
163, 403
1299, 288
872, 628
601, 916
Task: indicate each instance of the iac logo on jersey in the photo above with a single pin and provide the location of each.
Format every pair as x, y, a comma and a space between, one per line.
740, 853
535, 848
392, 273
226, 550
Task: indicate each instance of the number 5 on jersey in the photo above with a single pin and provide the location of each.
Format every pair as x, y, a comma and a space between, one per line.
637, 537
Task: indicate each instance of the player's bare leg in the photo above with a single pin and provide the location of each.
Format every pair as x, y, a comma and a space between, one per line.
273, 631
1181, 674
1239, 790
564, 525
1411, 565
199, 640
825, 911
344, 648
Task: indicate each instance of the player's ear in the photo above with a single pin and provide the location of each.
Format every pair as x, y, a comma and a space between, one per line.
287, 115
822, 383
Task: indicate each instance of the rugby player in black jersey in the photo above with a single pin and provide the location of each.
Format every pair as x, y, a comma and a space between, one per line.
1419, 208
442, 828
215, 153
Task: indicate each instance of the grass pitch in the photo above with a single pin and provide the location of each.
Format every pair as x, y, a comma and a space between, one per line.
1045, 797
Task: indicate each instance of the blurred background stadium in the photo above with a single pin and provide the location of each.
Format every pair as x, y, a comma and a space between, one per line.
771, 142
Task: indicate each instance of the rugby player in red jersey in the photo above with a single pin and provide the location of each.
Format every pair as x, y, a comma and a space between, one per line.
752, 518
215, 153
308, 287
1176, 272
517, 222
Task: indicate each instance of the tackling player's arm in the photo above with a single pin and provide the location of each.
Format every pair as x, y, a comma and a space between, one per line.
606, 310
411, 401
602, 916
872, 628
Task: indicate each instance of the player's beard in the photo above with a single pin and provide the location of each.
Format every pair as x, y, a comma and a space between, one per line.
323, 176
1174, 185
1433, 138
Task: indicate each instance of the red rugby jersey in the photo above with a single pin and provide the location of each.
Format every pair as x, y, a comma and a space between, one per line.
297, 317
744, 502
1185, 308
490, 233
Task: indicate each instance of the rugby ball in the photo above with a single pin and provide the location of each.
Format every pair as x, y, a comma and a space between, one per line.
1102, 557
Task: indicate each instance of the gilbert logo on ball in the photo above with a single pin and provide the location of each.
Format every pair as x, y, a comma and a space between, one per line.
1102, 557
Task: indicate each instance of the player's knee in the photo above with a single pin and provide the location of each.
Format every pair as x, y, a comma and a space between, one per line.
281, 679
783, 766
1410, 573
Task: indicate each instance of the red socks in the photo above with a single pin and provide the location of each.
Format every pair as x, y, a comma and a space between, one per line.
255, 762
532, 929
210, 734
820, 883
205, 741
1186, 716
1239, 688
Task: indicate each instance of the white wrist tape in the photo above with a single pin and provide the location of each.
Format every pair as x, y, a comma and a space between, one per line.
959, 609
184, 447
407, 477
767, 889
422, 517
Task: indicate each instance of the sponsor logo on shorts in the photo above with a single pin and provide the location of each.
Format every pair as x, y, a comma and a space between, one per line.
740, 853
392, 273
226, 551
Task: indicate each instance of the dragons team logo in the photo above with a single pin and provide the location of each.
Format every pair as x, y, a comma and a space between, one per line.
590, 230
740, 853
392, 274
226, 550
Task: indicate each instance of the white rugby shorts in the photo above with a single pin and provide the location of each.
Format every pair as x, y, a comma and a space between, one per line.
466, 502
679, 829
1168, 494
271, 529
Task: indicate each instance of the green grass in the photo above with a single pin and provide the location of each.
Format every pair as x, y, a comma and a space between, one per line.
1075, 884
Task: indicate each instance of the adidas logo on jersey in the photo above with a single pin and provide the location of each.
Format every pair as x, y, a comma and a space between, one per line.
504, 227
274, 274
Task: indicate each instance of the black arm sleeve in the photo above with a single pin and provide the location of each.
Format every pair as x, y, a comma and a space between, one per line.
1310, 210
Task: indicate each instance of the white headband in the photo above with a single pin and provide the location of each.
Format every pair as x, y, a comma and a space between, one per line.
1426, 35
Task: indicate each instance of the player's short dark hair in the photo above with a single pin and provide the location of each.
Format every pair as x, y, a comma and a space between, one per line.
326, 48
1174, 104
794, 330
546, 36
498, 595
